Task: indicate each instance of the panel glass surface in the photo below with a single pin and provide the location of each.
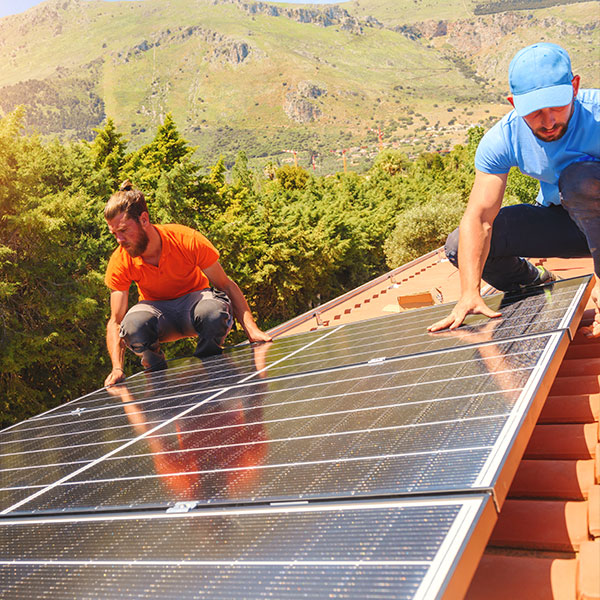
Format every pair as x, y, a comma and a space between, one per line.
539, 311
359, 550
404, 334
419, 424
191, 376
42, 451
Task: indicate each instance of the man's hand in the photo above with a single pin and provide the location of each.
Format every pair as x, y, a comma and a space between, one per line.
116, 376
259, 336
241, 310
593, 330
466, 305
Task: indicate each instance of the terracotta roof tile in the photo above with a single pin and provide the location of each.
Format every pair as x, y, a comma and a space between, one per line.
502, 576
547, 525
588, 573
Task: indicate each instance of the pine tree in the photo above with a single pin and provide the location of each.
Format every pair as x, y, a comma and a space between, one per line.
108, 150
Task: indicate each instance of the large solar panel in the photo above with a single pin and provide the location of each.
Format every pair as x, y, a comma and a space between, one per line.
362, 550
375, 409
409, 425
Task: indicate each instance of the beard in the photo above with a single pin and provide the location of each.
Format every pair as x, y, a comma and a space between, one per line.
552, 135
139, 245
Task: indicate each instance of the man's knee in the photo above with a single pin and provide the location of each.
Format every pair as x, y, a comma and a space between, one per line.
580, 183
212, 318
139, 331
451, 247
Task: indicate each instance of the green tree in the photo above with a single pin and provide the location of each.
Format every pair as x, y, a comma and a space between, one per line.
50, 309
108, 150
392, 162
292, 177
145, 166
423, 228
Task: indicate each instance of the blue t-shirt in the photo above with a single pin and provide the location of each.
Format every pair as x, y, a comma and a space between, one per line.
510, 143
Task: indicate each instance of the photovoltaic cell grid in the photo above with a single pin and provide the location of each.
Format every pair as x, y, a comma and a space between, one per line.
38, 451
410, 425
306, 418
403, 334
188, 377
62, 443
355, 550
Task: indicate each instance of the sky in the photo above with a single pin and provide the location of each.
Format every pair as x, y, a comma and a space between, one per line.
12, 7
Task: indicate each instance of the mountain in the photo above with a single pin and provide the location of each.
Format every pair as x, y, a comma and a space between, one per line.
266, 78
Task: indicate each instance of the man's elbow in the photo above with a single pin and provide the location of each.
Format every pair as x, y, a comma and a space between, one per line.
486, 226
112, 324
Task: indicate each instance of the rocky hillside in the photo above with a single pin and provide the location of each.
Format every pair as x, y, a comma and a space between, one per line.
266, 78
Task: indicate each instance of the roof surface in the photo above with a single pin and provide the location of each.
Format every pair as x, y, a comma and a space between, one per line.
546, 543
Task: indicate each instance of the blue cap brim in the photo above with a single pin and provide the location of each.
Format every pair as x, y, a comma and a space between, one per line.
557, 95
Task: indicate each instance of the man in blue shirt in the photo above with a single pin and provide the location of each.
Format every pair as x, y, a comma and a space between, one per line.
553, 135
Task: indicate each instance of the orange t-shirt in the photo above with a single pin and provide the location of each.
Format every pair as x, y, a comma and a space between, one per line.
185, 252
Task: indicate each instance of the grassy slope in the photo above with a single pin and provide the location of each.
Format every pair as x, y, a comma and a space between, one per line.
223, 107
402, 12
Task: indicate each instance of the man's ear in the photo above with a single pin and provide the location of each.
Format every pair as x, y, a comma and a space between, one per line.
575, 83
512, 102
144, 219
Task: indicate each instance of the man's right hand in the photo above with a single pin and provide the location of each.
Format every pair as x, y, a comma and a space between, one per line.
466, 305
116, 376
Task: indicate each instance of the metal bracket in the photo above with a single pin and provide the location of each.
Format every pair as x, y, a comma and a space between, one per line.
376, 360
182, 507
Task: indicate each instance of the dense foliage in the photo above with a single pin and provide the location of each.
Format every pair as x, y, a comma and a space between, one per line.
291, 240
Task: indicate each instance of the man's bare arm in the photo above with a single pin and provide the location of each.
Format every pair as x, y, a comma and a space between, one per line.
118, 308
241, 310
474, 246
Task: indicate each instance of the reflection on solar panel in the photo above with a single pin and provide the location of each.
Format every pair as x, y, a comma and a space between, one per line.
328, 421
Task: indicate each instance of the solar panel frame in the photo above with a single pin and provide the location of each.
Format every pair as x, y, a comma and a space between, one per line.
282, 367
369, 339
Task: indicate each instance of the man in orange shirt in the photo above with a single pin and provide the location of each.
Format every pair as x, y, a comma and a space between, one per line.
173, 267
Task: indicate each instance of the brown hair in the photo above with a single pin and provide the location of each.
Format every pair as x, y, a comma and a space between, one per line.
126, 200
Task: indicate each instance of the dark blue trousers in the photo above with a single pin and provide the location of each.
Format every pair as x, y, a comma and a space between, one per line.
568, 231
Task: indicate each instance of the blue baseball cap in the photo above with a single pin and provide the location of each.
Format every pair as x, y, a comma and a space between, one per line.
540, 76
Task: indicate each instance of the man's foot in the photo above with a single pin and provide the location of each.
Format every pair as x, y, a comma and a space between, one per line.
545, 276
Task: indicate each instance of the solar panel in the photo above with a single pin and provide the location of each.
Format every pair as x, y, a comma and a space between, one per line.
190, 376
344, 417
538, 311
410, 425
363, 550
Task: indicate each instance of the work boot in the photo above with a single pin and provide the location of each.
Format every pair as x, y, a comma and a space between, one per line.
544, 276
154, 360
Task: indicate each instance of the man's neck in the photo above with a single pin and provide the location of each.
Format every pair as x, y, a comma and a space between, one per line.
154, 248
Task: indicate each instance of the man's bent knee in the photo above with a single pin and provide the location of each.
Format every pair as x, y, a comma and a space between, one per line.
139, 331
451, 247
580, 183
212, 319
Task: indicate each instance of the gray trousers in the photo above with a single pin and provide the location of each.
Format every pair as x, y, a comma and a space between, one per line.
206, 314
567, 231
